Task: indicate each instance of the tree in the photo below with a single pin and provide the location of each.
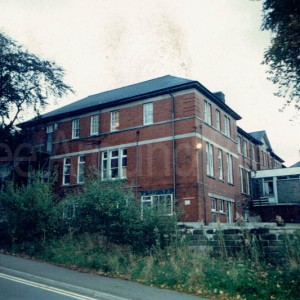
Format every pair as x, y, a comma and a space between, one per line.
282, 18
26, 81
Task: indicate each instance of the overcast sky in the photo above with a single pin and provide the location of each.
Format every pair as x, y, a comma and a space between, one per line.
105, 44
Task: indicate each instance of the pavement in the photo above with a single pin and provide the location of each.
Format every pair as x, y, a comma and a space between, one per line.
88, 284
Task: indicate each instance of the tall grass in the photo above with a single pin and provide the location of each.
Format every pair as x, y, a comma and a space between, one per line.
181, 268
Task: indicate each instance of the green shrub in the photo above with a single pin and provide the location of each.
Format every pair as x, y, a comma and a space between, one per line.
28, 211
109, 209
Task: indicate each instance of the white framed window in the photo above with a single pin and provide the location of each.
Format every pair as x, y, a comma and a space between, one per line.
50, 128
247, 185
148, 113
239, 144
94, 124
220, 164
227, 126
114, 164
218, 120
245, 148
229, 168
209, 159
213, 202
81, 169
268, 188
242, 180
69, 211
207, 112
221, 205
114, 120
253, 152
75, 129
67, 171
163, 204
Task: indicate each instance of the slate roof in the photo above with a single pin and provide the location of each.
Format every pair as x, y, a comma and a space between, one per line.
146, 89
248, 135
295, 165
258, 135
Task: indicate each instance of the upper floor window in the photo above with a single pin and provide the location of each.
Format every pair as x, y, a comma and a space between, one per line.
67, 171
209, 159
114, 164
221, 205
242, 180
229, 169
148, 113
81, 169
253, 152
239, 144
50, 128
220, 164
227, 126
213, 204
114, 120
207, 112
247, 184
75, 129
163, 204
94, 124
245, 148
218, 120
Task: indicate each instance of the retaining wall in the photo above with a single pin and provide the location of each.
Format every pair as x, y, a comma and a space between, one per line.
270, 242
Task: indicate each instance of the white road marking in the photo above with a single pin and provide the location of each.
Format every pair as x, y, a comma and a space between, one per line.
46, 287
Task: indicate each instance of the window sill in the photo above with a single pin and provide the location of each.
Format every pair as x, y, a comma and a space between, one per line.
232, 184
209, 176
72, 184
245, 194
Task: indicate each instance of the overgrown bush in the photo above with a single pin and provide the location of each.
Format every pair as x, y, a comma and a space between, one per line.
110, 209
28, 212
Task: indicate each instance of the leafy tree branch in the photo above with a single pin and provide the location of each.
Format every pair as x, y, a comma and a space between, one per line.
26, 81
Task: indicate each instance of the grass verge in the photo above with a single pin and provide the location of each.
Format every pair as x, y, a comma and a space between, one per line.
178, 267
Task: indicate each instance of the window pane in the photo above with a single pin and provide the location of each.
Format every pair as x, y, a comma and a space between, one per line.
94, 124
148, 113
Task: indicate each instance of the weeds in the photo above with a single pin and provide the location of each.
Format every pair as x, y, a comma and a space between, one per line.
180, 268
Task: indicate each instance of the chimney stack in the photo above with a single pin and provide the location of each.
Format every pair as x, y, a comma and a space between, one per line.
220, 96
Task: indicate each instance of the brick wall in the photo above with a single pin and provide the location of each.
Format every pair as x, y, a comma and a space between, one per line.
153, 145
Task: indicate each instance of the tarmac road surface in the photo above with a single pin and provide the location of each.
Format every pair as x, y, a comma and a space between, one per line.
32, 280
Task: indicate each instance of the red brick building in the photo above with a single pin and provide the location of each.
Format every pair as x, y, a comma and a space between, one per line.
170, 139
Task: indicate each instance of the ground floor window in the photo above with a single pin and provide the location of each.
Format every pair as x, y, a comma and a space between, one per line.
81, 169
67, 171
163, 204
221, 207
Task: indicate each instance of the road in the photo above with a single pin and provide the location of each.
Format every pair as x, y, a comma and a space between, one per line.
27, 279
